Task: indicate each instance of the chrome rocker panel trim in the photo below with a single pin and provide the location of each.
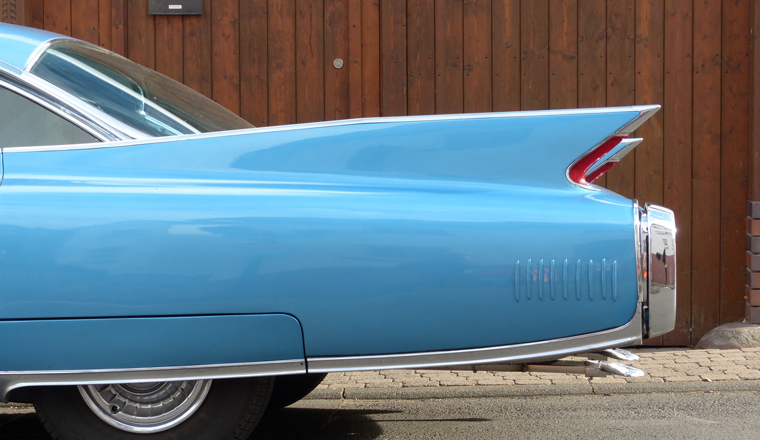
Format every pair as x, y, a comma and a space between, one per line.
11, 380
628, 334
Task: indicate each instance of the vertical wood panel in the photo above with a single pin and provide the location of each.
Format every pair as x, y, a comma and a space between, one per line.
85, 20
449, 85
355, 58
534, 42
57, 16
141, 37
420, 53
592, 57
705, 265
734, 157
282, 65
197, 50
393, 60
253, 62
169, 46
477, 56
563, 53
336, 46
505, 23
649, 81
620, 80
677, 162
370, 58
104, 24
649, 48
310, 81
34, 14
225, 62
118, 37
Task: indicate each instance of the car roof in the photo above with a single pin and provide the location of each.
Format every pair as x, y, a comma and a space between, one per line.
19, 43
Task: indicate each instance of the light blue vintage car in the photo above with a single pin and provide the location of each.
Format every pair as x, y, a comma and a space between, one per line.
166, 267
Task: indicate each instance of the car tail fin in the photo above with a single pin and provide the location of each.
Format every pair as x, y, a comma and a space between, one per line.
603, 156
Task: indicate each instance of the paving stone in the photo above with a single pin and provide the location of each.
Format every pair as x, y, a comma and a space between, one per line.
718, 376
495, 381
532, 382
683, 379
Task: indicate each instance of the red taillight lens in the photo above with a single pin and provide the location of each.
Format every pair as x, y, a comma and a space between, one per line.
577, 172
597, 173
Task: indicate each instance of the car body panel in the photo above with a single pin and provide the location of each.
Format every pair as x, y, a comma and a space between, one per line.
118, 343
379, 238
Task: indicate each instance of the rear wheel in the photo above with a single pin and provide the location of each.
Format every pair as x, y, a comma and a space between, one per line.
290, 389
225, 409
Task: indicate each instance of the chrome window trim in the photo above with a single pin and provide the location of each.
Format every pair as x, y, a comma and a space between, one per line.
645, 110
11, 380
75, 117
625, 335
107, 79
32, 60
122, 130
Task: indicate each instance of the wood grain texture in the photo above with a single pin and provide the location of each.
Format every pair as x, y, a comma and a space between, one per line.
370, 58
563, 54
705, 265
85, 20
34, 15
118, 35
677, 161
534, 49
282, 63
141, 36
505, 25
253, 63
355, 58
197, 50
105, 27
225, 47
449, 84
477, 56
169, 46
734, 156
393, 59
620, 81
420, 57
57, 16
649, 81
310, 58
336, 46
592, 57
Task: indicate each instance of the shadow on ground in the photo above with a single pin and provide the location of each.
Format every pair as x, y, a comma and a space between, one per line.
317, 424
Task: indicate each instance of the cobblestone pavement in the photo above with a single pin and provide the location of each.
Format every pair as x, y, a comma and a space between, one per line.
660, 365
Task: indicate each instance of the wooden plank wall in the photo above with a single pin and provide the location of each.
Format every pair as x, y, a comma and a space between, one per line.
272, 61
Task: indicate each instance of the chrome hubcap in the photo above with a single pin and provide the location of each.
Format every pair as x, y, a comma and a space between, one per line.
146, 407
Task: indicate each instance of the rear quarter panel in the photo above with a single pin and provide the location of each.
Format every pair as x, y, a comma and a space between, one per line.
379, 238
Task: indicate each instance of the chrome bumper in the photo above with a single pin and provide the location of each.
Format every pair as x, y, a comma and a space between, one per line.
656, 247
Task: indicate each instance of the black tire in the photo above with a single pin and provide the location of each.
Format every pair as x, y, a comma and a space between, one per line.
231, 410
290, 389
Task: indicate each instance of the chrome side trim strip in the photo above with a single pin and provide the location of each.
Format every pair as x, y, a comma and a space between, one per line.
10, 380
628, 334
642, 109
